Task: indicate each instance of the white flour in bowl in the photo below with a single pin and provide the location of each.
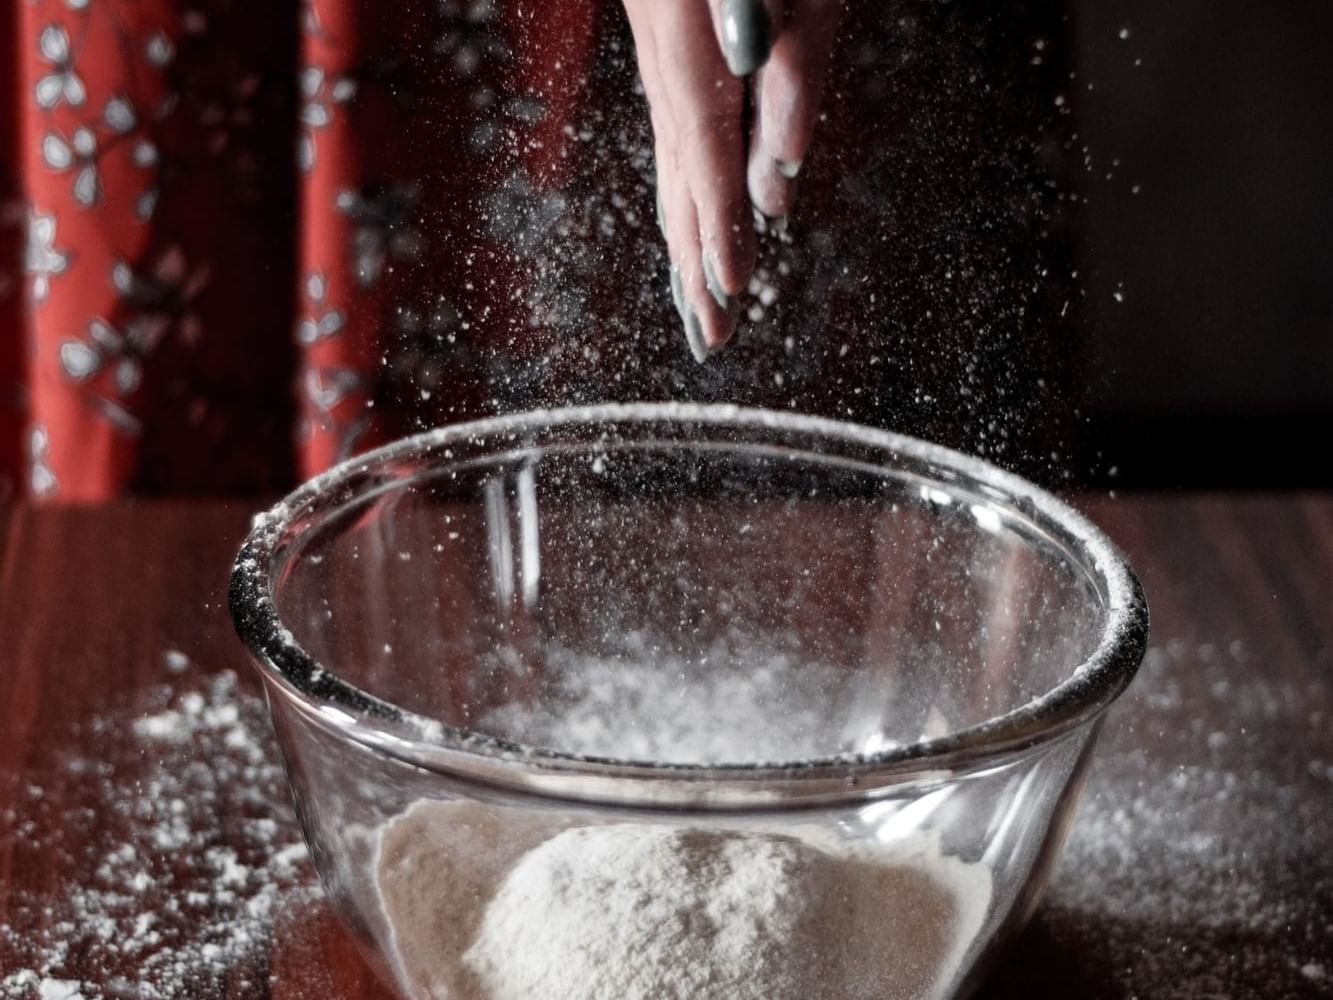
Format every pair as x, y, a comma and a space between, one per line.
633, 911
487, 902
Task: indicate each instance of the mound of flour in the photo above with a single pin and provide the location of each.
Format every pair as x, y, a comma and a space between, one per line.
495, 903
637, 911
488, 902
437, 867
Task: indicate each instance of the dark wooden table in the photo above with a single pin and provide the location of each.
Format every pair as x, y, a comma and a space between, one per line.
1201, 864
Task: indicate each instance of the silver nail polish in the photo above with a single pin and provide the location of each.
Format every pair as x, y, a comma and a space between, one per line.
788, 168
714, 286
694, 336
677, 292
661, 216
747, 35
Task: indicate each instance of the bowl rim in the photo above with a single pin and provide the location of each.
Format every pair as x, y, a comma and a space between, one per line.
334, 704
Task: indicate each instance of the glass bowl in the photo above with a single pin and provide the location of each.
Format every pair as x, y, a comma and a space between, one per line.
693, 701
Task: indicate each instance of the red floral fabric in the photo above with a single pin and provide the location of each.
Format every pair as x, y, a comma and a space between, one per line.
214, 260
143, 156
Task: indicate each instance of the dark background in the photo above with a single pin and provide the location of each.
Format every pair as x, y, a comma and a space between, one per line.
1217, 367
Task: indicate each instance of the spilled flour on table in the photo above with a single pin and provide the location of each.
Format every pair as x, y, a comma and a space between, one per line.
187, 851
1199, 855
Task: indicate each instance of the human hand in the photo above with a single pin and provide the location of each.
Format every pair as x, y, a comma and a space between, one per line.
700, 60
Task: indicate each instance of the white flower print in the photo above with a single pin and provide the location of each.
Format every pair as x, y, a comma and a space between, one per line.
314, 113
144, 156
425, 348
163, 292
41, 479
310, 25
158, 49
468, 38
159, 302
41, 260
116, 415
316, 110
79, 154
146, 204
320, 322
497, 118
324, 389
119, 115
380, 227
526, 216
62, 83
121, 119
232, 112
106, 347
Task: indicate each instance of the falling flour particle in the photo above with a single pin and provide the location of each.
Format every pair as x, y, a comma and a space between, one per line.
175, 661
496, 903
668, 709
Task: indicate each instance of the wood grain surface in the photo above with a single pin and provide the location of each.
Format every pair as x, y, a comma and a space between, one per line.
1228, 728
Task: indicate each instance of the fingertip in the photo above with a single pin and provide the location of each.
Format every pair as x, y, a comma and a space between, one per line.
694, 336
771, 183
719, 323
709, 322
729, 265
713, 284
747, 35
677, 293
726, 330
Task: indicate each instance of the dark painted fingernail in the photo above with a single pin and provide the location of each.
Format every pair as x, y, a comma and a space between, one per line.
788, 168
677, 293
694, 336
747, 35
715, 286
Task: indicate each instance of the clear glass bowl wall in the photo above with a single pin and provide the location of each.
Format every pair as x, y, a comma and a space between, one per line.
890, 596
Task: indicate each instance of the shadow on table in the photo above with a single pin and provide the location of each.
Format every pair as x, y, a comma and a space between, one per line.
315, 958
1103, 957
1041, 964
